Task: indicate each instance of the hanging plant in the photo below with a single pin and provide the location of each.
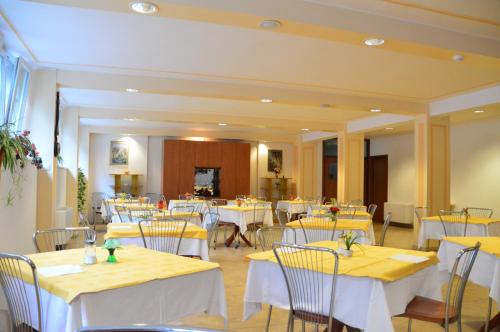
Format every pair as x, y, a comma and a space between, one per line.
16, 150
82, 190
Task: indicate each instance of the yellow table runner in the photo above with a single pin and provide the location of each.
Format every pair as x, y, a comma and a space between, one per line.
243, 208
139, 207
367, 261
471, 220
175, 214
489, 244
342, 224
135, 266
185, 201
343, 213
126, 230
122, 201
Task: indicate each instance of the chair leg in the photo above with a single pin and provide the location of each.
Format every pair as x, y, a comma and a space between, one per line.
303, 326
290, 322
269, 317
409, 325
488, 316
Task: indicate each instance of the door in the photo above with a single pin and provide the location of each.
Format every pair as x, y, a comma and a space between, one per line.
376, 183
329, 177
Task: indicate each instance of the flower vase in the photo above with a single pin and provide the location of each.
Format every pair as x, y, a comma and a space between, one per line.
345, 252
111, 256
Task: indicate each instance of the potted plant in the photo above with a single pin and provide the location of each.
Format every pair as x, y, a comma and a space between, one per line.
111, 245
348, 240
16, 150
82, 191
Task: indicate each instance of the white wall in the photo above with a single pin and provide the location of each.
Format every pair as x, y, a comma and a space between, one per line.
99, 161
399, 149
155, 165
475, 165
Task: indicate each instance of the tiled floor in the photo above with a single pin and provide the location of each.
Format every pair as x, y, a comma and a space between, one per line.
235, 269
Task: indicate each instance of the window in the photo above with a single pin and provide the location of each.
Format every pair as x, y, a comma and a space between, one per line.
13, 90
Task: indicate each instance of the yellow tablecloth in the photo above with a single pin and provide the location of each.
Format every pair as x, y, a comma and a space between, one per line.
294, 201
139, 207
121, 230
342, 224
471, 220
122, 201
343, 213
367, 261
489, 244
242, 208
135, 266
175, 214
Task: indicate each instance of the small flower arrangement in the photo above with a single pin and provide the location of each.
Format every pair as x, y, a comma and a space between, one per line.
111, 245
334, 211
277, 171
349, 239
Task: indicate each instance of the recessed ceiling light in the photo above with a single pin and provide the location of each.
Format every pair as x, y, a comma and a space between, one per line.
142, 7
305, 129
374, 42
479, 111
266, 100
270, 24
389, 128
131, 90
375, 110
130, 119
458, 58
222, 124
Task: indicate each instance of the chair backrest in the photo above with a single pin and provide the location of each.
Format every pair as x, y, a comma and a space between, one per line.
460, 272
109, 213
421, 212
348, 211
449, 220
311, 287
387, 222
283, 216
371, 209
155, 198
356, 202
163, 235
62, 238
259, 212
318, 228
123, 213
140, 214
83, 220
268, 235
187, 208
210, 223
479, 212
97, 198
23, 301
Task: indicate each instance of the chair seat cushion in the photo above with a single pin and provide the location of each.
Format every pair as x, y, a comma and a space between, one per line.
422, 308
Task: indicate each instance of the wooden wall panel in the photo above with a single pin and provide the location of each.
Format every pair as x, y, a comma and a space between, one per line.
181, 157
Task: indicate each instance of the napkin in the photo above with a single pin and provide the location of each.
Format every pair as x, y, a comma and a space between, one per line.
59, 270
409, 258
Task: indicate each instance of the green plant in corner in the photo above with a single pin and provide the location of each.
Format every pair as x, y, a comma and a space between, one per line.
82, 191
16, 150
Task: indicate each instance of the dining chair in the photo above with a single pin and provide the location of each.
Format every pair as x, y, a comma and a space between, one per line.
109, 212
318, 228
450, 220
267, 236
450, 311
387, 222
19, 281
56, 239
349, 211
283, 216
135, 215
123, 213
356, 202
96, 200
186, 208
155, 198
371, 209
83, 220
421, 212
258, 216
163, 235
211, 224
213, 206
309, 294
142, 328
479, 212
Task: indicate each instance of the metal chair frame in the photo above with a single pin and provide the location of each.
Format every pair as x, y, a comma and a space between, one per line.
188, 208
283, 216
387, 222
14, 286
307, 304
479, 212
154, 197
61, 238
123, 213
163, 234
211, 224
97, 199
371, 209
453, 217
256, 222
316, 235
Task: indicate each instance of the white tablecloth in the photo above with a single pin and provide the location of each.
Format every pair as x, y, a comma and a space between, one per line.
244, 217
292, 207
155, 303
232, 202
433, 230
195, 219
485, 272
188, 247
364, 303
300, 238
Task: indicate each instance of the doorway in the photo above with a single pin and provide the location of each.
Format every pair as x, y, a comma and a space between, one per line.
376, 183
330, 167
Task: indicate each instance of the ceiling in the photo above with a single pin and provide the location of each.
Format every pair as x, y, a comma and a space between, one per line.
203, 62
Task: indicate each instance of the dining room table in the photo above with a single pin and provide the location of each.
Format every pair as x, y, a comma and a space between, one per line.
486, 269
143, 287
199, 205
432, 229
344, 214
194, 238
295, 206
372, 286
363, 228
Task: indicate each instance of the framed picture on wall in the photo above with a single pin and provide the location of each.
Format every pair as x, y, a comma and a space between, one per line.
119, 153
274, 160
